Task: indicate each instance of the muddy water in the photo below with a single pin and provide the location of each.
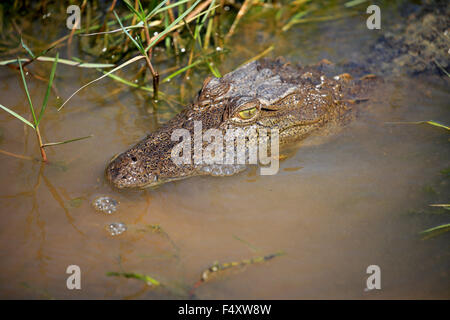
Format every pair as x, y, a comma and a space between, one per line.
339, 204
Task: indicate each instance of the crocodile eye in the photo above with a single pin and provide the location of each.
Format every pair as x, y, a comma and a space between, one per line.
247, 113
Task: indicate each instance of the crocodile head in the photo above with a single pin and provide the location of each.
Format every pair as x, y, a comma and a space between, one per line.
265, 94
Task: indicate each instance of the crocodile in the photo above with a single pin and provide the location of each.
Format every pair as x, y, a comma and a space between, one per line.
263, 94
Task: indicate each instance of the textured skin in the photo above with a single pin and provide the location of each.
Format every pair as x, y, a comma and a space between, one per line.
296, 100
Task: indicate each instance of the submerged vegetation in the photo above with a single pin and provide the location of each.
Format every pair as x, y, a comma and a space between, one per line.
132, 275
184, 289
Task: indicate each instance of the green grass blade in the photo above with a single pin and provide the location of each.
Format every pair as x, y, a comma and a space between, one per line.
209, 27
131, 275
61, 61
181, 71
129, 83
295, 19
17, 116
140, 8
259, 55
433, 232
26, 48
442, 68
28, 93
155, 9
66, 141
45, 51
170, 6
199, 26
166, 24
33, 56
131, 8
214, 70
248, 244
185, 22
138, 25
103, 76
138, 46
210, 9
49, 87
446, 206
430, 122
168, 29
353, 3
437, 124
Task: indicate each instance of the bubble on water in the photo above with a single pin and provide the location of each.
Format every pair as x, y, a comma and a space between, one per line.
116, 228
105, 204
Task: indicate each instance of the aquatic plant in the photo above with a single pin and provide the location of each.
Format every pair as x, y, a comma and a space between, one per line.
142, 19
37, 118
195, 33
435, 231
133, 275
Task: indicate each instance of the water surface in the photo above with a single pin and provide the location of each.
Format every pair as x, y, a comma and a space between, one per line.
339, 204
